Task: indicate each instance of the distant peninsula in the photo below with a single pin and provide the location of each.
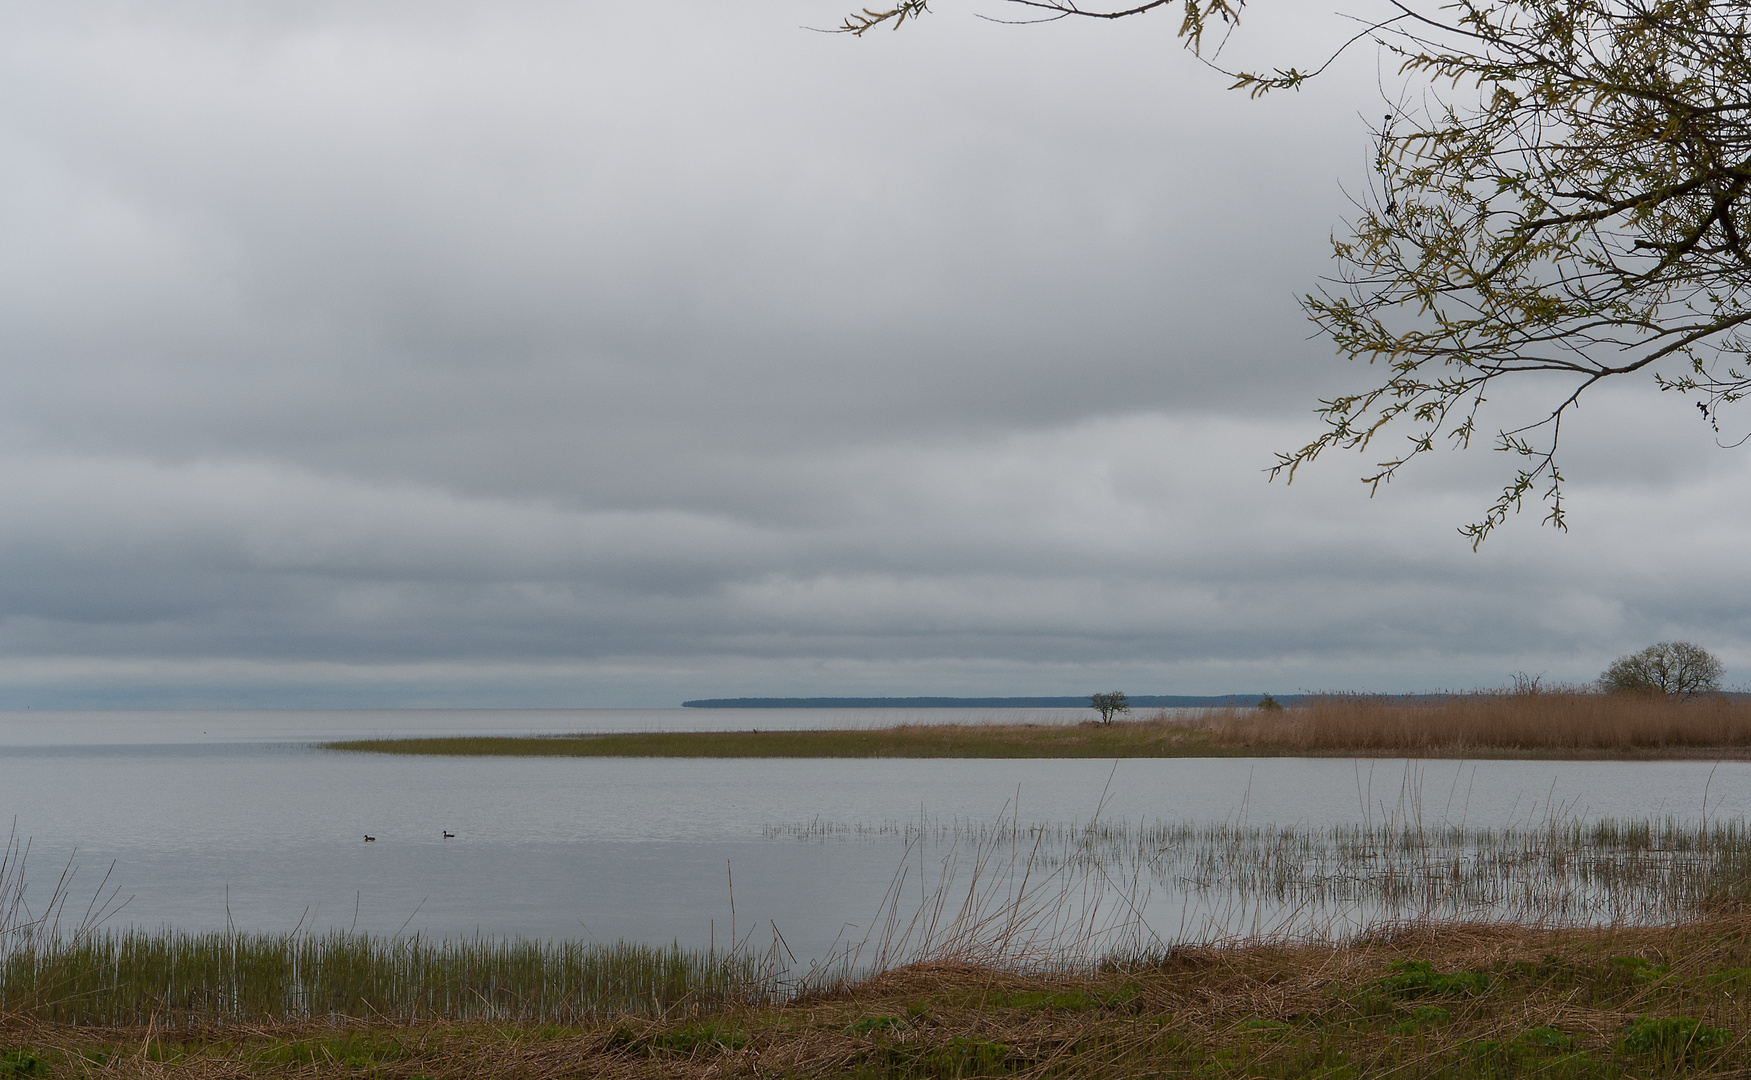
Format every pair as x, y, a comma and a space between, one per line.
1142, 701
1574, 725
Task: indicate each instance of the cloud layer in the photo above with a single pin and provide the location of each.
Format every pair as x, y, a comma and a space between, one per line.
545, 353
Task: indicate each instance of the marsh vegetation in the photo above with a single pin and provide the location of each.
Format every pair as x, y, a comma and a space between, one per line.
1567, 721
1562, 723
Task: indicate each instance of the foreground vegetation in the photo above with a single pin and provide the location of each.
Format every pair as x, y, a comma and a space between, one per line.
1427, 1000
139, 977
1568, 724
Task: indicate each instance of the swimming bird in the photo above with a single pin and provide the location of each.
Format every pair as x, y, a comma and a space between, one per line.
370, 839
448, 835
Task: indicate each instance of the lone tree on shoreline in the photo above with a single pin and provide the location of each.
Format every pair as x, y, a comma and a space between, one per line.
1671, 669
1561, 196
1109, 705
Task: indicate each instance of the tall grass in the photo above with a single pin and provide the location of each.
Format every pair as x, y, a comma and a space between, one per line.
1555, 721
133, 976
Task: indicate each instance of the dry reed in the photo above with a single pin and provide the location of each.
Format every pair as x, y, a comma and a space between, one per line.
1548, 721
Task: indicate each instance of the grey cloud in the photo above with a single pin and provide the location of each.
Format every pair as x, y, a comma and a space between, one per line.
545, 353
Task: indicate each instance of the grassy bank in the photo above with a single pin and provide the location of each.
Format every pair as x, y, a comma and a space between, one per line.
1551, 725
1431, 1000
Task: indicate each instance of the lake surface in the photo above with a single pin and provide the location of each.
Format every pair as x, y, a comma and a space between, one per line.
210, 816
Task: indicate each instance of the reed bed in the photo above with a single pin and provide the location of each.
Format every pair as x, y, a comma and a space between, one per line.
1569, 720
132, 977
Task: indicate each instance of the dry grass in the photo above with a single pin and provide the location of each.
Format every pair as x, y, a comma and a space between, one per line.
1468, 723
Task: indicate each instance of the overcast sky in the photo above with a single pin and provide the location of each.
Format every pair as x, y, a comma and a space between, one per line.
583, 353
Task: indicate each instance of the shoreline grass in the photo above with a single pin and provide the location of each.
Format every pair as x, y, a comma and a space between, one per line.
1447, 1000
132, 977
1584, 726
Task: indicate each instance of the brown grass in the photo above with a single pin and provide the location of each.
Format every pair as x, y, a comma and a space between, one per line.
1618, 723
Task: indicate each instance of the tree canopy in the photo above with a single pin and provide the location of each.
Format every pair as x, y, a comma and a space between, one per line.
1109, 705
1560, 198
1671, 668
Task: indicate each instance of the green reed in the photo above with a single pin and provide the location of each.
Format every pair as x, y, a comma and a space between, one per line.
134, 976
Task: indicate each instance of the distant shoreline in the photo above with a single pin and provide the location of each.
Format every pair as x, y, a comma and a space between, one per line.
1133, 739
1141, 701
1547, 725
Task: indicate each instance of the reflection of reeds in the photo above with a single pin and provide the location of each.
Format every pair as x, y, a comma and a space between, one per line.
1566, 720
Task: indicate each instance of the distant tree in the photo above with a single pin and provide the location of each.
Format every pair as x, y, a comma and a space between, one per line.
1671, 668
1270, 704
1109, 705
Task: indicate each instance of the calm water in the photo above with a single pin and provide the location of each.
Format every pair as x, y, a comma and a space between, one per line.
208, 814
